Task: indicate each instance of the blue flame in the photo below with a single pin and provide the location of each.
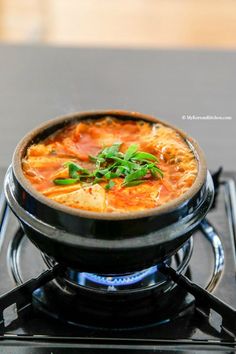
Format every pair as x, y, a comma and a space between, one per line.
116, 280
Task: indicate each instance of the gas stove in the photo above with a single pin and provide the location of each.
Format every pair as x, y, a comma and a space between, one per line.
145, 311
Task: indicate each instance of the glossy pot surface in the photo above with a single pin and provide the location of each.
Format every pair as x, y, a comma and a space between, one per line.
106, 242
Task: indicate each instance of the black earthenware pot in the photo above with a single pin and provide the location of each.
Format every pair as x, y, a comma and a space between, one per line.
107, 243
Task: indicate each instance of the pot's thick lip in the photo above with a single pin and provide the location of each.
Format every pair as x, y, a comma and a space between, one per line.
166, 208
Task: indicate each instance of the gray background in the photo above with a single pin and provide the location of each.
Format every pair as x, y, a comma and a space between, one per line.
38, 83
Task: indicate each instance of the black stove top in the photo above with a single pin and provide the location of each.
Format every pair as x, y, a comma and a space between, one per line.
57, 319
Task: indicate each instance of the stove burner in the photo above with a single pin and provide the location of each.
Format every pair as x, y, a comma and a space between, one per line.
119, 283
122, 301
